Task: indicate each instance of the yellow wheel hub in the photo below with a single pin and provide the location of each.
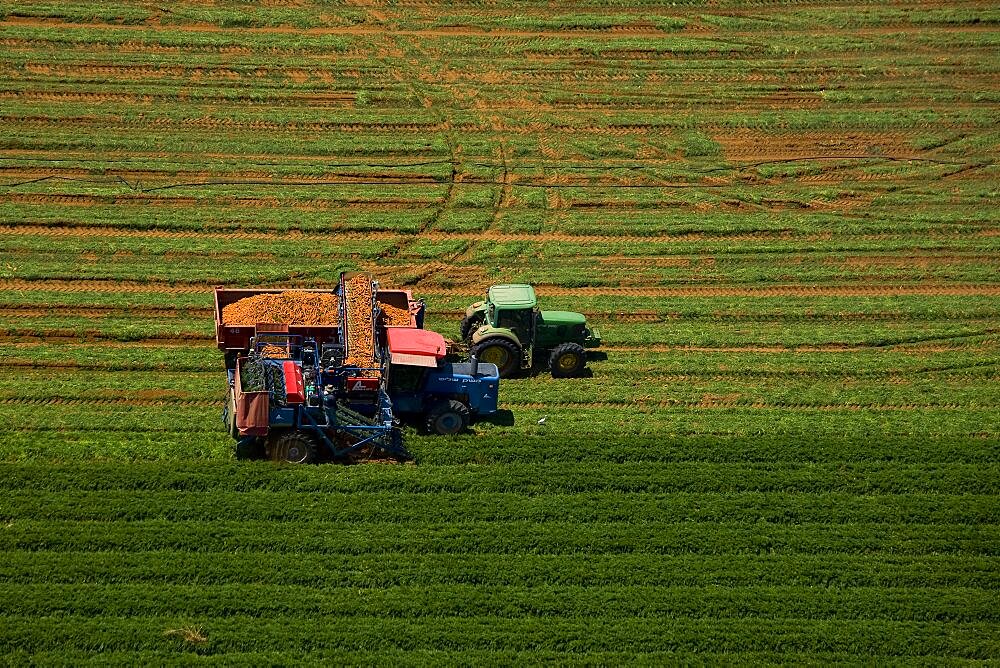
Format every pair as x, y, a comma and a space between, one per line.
568, 361
494, 355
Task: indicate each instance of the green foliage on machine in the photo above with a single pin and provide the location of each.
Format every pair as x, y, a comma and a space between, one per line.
258, 374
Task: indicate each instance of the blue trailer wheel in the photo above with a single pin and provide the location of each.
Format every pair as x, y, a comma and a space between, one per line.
447, 417
292, 447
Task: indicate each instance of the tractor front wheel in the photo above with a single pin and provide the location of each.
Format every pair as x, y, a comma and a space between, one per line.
292, 447
470, 323
447, 417
567, 360
504, 353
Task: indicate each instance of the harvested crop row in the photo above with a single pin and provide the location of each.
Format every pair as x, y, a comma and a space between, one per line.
393, 316
274, 351
293, 307
360, 323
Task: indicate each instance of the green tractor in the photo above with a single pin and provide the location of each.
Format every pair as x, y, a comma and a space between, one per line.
509, 330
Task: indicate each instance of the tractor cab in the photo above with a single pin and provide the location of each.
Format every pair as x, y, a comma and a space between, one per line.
513, 307
509, 330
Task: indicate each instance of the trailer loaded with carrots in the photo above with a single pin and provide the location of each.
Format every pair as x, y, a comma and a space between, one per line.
331, 374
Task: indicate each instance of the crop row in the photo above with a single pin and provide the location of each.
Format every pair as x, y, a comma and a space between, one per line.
683, 239
524, 445
409, 508
178, 651
189, 306
973, 387
575, 421
575, 636
557, 477
364, 82
550, 602
505, 537
667, 374
714, 254
278, 98
655, 337
669, 227
445, 307
839, 261
590, 17
391, 569
287, 86
240, 119
878, 363
645, 201
207, 269
476, 44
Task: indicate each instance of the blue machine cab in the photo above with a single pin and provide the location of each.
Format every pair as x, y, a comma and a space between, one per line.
442, 397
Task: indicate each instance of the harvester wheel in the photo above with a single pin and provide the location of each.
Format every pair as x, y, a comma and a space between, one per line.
293, 447
504, 353
249, 448
567, 360
470, 323
448, 417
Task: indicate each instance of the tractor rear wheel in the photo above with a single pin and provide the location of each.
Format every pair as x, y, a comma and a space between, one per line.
447, 417
567, 360
503, 352
292, 447
470, 323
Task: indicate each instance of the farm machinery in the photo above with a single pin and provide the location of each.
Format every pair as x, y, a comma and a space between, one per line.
340, 389
509, 330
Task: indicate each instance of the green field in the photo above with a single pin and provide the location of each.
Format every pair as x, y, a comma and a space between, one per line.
781, 214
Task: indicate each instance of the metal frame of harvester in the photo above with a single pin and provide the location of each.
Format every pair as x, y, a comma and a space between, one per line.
343, 407
310, 393
325, 406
